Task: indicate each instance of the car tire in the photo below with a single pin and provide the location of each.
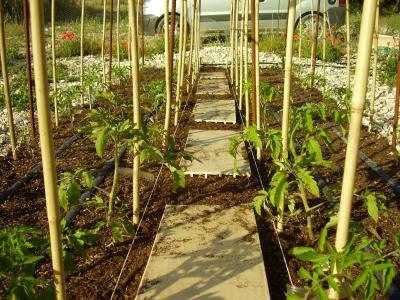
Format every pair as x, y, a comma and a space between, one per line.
306, 23
160, 24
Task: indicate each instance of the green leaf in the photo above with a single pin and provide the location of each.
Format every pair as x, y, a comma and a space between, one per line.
332, 283
372, 288
314, 149
291, 296
308, 180
278, 188
304, 274
372, 207
388, 277
101, 138
309, 121
251, 135
360, 280
259, 201
31, 259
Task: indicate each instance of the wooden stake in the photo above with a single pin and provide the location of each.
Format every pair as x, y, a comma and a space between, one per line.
287, 93
190, 66
396, 107
256, 66
47, 146
103, 41
324, 48
167, 73
82, 54
111, 43
180, 63
357, 108
231, 37
6, 84
374, 71
29, 71
118, 46
171, 28
241, 57
253, 59
54, 61
315, 46
348, 46
300, 30
246, 62
235, 31
142, 29
136, 109
184, 48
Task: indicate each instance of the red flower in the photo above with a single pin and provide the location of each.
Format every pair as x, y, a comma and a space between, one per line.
296, 37
124, 46
67, 36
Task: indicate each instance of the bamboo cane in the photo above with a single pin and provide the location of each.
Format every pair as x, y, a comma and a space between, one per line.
54, 62
300, 30
396, 107
236, 18
82, 41
246, 62
6, 85
103, 41
29, 70
256, 66
324, 48
184, 47
180, 64
231, 38
198, 36
142, 29
167, 73
47, 146
172, 36
130, 49
357, 105
315, 46
287, 93
111, 43
241, 57
348, 46
374, 71
118, 45
136, 109
312, 31
253, 59
190, 72
196, 43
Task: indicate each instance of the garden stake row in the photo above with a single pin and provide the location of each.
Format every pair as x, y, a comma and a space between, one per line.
29, 71
6, 84
374, 71
357, 103
47, 146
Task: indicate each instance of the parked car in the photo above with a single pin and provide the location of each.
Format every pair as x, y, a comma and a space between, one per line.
215, 14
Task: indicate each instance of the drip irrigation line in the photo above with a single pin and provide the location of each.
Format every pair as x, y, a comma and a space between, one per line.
264, 188
338, 66
147, 204
35, 171
393, 183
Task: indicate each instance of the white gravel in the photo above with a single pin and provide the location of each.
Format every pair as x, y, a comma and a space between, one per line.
336, 77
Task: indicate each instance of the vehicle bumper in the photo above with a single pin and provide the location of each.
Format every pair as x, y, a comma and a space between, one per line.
150, 22
337, 16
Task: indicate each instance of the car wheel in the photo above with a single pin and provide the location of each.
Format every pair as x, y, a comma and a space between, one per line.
160, 25
307, 24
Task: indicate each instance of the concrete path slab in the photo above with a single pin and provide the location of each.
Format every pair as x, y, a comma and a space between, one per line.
213, 87
212, 75
210, 148
215, 111
206, 252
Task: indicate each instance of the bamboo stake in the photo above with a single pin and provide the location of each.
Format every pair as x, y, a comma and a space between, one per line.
246, 62
180, 64
256, 66
29, 70
196, 43
315, 46
118, 46
111, 43
103, 41
136, 109
236, 18
312, 32
6, 84
142, 29
167, 73
300, 30
184, 47
396, 107
324, 48
198, 37
374, 71
253, 59
54, 61
190, 72
241, 57
172, 39
47, 146
348, 47
357, 104
82, 41
130, 49
287, 93
231, 39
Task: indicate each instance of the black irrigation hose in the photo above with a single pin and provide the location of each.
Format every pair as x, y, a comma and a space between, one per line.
35, 171
107, 168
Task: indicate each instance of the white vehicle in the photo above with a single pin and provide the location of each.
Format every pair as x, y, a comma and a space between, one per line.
215, 14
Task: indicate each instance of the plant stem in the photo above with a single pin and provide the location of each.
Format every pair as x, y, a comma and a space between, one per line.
307, 209
115, 184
